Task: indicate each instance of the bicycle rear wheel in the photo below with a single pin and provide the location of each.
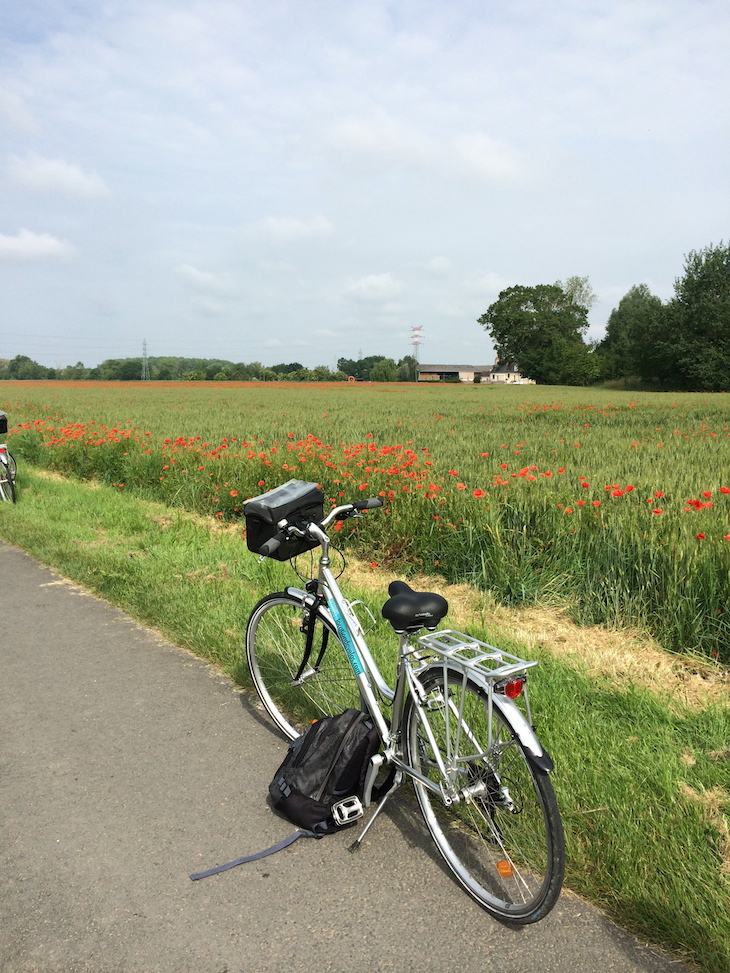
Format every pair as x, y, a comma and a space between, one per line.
503, 839
275, 646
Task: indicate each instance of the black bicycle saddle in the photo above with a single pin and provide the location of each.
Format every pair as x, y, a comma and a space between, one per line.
408, 610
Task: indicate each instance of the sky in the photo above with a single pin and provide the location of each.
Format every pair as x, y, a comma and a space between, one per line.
302, 181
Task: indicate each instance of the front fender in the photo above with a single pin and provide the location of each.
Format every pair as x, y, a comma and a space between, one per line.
307, 599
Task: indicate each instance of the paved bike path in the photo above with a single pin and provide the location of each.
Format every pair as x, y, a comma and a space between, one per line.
126, 764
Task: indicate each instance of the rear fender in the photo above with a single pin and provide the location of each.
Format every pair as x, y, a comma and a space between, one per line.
513, 717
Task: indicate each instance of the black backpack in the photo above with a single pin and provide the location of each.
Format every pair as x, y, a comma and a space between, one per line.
320, 784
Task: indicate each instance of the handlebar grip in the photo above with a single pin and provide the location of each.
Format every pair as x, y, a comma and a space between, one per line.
272, 544
370, 504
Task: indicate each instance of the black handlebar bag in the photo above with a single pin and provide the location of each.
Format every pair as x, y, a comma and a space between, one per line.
298, 503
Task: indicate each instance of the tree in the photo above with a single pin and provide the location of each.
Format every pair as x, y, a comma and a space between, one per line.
285, 369
579, 290
74, 373
541, 329
408, 369
24, 368
629, 345
384, 370
695, 339
361, 368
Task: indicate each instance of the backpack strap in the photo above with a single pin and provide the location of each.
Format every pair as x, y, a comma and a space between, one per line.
284, 843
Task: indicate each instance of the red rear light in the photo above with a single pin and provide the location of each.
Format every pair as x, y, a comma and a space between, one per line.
513, 689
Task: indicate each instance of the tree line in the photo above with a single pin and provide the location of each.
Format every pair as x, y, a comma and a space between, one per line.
683, 344
376, 368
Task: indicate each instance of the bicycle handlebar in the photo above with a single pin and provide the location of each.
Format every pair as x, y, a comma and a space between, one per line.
350, 509
339, 513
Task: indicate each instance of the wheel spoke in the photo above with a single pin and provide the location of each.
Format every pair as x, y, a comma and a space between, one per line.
275, 646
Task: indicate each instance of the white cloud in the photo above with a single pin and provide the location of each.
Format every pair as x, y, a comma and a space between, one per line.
13, 108
375, 288
439, 266
205, 281
488, 158
384, 141
37, 174
34, 246
452, 311
210, 308
382, 138
286, 229
486, 284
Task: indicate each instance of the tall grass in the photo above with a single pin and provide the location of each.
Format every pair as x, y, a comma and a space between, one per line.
615, 502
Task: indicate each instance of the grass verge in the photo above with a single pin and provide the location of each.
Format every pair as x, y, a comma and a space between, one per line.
643, 766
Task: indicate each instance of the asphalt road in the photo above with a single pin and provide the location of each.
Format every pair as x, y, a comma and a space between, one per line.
126, 764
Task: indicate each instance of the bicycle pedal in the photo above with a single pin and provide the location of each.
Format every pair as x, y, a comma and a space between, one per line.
347, 811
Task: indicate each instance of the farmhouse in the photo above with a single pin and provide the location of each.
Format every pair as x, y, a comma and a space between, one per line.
502, 372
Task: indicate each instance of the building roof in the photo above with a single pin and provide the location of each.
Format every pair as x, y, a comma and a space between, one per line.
455, 368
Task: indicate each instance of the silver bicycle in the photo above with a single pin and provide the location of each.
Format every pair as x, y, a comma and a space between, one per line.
8, 470
457, 721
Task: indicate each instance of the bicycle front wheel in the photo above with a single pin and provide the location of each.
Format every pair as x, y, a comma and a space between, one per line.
275, 647
7, 484
503, 838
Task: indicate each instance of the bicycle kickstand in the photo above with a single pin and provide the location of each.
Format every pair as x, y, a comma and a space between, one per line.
381, 803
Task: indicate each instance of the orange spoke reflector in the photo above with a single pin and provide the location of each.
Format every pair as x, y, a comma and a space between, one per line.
513, 689
505, 869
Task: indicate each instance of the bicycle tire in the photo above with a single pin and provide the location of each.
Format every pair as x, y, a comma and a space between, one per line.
7, 484
12, 466
511, 860
275, 648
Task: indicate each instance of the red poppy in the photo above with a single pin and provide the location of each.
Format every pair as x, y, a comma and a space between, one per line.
478, 493
700, 537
